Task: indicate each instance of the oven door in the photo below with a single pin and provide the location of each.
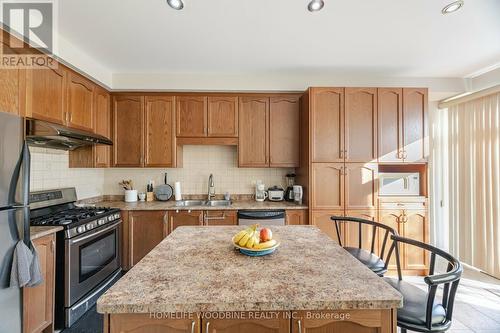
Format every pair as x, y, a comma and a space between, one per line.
90, 259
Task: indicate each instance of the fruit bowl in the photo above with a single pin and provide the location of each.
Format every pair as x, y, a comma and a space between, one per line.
255, 252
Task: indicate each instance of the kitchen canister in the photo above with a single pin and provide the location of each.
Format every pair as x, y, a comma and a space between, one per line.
130, 195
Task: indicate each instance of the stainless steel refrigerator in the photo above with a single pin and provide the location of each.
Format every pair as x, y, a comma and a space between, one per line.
14, 214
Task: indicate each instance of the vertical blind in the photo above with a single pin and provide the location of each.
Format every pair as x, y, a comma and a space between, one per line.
466, 151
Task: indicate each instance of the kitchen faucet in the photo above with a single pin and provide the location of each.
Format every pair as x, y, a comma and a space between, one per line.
211, 187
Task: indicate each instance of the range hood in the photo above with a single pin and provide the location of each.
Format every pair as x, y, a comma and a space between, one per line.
48, 135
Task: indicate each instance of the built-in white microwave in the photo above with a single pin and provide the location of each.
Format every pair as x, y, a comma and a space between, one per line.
399, 184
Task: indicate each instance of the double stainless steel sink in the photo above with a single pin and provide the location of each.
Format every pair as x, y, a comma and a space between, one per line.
207, 203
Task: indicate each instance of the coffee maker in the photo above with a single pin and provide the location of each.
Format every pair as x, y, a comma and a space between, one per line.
290, 182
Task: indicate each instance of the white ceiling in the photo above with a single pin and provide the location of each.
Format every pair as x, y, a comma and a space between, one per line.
402, 38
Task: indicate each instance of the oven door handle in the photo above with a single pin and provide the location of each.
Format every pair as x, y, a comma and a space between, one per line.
93, 235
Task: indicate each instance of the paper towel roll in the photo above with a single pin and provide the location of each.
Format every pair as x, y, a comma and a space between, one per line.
177, 191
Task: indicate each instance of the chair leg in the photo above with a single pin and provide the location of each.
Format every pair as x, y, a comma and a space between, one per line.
403, 330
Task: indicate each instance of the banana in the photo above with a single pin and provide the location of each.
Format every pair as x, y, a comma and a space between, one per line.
265, 245
245, 238
250, 242
256, 239
240, 234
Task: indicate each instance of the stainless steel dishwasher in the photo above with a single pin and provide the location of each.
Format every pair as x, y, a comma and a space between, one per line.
262, 217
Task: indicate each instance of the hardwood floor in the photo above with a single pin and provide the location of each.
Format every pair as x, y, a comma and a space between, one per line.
477, 305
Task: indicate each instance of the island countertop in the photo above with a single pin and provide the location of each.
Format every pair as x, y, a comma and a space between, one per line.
197, 269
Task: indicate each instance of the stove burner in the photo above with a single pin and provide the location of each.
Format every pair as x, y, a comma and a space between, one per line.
70, 216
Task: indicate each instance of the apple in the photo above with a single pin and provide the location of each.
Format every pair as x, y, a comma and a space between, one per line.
266, 234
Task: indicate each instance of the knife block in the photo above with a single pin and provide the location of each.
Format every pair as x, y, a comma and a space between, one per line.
150, 196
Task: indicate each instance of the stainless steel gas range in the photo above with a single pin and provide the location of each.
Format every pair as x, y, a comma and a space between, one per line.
87, 251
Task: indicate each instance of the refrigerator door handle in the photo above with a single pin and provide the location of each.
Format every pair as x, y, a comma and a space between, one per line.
26, 164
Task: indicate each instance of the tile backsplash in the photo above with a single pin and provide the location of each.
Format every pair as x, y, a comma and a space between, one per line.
50, 170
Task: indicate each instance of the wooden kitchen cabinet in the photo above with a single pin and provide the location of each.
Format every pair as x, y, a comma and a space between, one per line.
253, 149
321, 219
80, 102
328, 186
361, 185
284, 132
146, 229
140, 323
12, 88
185, 218
38, 302
220, 217
390, 115
351, 230
296, 217
191, 116
46, 94
102, 126
159, 131
327, 133
414, 120
276, 322
222, 116
128, 133
360, 125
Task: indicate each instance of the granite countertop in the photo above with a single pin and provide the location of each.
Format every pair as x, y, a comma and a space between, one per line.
197, 269
38, 232
170, 205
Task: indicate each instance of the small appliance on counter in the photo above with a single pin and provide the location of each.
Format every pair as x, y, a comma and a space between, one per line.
260, 191
399, 184
290, 181
275, 193
298, 194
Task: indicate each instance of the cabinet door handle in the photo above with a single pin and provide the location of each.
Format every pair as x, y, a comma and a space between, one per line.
405, 154
341, 153
299, 323
207, 326
192, 326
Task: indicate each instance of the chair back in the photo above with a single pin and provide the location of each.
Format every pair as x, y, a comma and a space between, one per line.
376, 230
449, 280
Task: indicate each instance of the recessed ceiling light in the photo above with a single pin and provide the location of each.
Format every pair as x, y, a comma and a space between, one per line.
453, 7
176, 4
315, 5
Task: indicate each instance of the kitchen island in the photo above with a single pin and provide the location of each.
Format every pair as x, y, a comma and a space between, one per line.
195, 281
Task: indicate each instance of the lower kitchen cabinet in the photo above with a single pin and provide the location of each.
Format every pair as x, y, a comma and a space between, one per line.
139, 323
322, 220
351, 231
38, 302
222, 217
146, 229
269, 322
296, 217
185, 218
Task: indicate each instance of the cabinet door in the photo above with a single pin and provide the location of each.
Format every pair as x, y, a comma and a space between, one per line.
328, 185
414, 118
360, 124
223, 116
146, 230
390, 132
296, 217
284, 135
220, 217
191, 116
415, 227
80, 96
253, 148
259, 324
102, 126
322, 220
38, 302
185, 218
327, 105
128, 139
351, 231
361, 185
11, 87
46, 94
144, 323
391, 218
159, 131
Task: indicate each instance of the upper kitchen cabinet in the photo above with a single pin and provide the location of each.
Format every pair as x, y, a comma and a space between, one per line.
327, 105
46, 94
253, 149
159, 131
128, 133
414, 119
11, 89
360, 125
102, 126
284, 132
80, 104
401, 125
361, 185
191, 116
222, 116
390, 115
